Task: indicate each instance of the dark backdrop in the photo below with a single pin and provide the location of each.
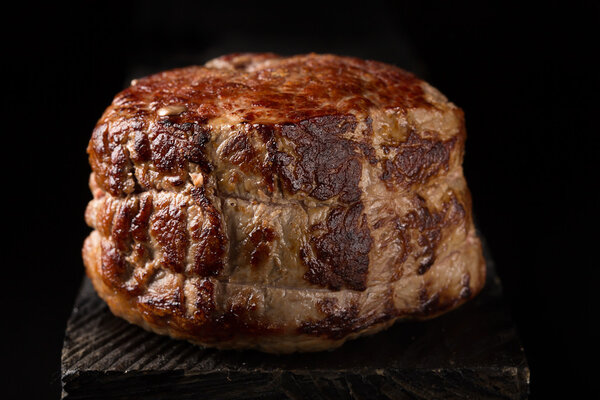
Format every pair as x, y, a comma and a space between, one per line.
522, 75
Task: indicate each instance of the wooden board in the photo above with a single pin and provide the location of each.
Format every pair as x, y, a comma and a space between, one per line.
473, 352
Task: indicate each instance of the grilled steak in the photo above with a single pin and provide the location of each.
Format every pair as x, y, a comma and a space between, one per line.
280, 203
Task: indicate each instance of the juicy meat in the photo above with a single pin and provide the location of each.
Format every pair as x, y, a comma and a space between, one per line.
282, 204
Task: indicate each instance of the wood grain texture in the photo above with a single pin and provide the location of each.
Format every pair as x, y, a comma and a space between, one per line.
473, 352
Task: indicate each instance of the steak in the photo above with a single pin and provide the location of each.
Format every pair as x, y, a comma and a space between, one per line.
280, 203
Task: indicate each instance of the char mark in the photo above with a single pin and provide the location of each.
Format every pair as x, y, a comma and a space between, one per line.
341, 253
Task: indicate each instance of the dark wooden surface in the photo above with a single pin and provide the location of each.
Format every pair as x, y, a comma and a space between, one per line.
473, 352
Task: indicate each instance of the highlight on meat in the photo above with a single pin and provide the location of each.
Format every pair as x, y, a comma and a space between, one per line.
280, 203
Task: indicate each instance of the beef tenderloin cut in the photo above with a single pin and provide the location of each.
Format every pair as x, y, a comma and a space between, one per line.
280, 203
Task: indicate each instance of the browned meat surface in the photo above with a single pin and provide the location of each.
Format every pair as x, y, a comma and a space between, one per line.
282, 204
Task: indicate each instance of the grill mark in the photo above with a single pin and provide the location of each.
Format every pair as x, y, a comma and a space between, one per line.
205, 301
428, 225
416, 160
140, 223
341, 253
210, 237
110, 161
426, 263
115, 268
465, 291
325, 165
340, 321
258, 245
121, 227
156, 308
141, 147
168, 226
428, 304
105, 217
240, 151
160, 306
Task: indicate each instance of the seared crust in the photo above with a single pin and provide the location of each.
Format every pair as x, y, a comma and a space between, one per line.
283, 204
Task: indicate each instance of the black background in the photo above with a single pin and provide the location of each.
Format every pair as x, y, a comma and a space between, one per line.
523, 75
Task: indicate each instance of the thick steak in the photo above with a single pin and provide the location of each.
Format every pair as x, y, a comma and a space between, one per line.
283, 204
